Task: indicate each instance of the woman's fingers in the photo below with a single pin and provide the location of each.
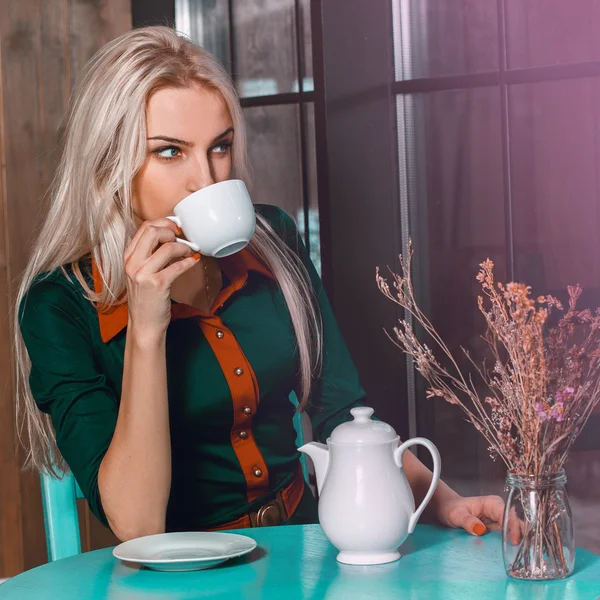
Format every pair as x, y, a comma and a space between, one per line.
163, 223
153, 261
492, 526
514, 527
493, 510
151, 238
165, 255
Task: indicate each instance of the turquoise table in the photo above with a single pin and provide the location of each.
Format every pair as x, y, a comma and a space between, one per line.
298, 563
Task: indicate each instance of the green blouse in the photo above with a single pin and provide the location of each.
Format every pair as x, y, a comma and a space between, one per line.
226, 423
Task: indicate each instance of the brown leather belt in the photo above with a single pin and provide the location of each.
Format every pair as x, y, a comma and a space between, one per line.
277, 511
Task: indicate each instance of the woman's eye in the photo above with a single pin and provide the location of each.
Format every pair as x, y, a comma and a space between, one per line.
222, 148
167, 152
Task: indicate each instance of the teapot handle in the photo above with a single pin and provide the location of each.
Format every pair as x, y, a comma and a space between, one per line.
437, 468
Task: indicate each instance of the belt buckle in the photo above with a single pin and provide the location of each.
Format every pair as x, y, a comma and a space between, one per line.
271, 514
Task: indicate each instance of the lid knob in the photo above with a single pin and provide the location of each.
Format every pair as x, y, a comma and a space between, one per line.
362, 414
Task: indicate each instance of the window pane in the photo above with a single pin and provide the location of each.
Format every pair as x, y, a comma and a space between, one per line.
274, 153
260, 70
555, 157
556, 193
275, 157
308, 83
313, 239
451, 177
206, 22
265, 47
436, 37
552, 32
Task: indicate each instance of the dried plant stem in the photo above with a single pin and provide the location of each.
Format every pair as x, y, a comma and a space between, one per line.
541, 547
541, 390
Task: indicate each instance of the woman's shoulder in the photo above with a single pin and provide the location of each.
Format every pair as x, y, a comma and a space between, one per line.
56, 289
281, 222
61, 280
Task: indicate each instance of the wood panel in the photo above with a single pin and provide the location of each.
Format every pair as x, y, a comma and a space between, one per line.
43, 46
92, 23
10, 561
19, 35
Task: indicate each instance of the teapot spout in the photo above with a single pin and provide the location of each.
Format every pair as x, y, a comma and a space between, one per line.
319, 453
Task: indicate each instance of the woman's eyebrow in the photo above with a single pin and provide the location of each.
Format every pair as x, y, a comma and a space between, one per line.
172, 140
222, 135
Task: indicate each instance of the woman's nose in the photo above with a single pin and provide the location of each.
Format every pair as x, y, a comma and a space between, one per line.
199, 176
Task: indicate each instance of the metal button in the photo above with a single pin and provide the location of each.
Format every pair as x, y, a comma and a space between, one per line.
220, 334
244, 435
247, 410
239, 371
257, 473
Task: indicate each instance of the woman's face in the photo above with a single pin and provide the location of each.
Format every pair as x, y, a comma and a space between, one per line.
190, 134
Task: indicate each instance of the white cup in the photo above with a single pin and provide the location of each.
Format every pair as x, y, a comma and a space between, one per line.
218, 220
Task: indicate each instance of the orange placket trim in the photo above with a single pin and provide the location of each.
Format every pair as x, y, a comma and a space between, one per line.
243, 386
113, 322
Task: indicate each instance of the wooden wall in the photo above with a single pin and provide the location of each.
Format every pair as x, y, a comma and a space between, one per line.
43, 46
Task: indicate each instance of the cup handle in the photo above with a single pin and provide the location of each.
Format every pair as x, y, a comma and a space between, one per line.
177, 222
437, 469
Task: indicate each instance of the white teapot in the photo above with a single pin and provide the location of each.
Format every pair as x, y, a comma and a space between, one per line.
366, 506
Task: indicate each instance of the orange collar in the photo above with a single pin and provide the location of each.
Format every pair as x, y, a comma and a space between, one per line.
236, 268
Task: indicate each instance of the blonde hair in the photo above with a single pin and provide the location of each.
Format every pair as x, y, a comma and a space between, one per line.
104, 145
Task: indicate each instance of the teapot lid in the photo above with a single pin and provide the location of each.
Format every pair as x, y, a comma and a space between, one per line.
363, 429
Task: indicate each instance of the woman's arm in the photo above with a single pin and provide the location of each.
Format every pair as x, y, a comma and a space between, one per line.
134, 478
419, 478
117, 448
135, 475
475, 514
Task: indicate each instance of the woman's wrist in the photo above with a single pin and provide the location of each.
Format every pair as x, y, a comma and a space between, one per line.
443, 494
419, 478
144, 338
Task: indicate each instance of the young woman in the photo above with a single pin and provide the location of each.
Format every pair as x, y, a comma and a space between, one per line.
162, 378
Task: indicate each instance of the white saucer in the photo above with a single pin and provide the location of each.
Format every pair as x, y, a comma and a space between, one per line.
184, 551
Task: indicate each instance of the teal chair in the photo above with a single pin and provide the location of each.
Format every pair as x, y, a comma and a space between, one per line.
59, 502
299, 427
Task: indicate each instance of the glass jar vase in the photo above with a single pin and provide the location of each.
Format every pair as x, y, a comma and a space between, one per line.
537, 535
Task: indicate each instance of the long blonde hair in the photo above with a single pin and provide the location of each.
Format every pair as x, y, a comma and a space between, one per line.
104, 146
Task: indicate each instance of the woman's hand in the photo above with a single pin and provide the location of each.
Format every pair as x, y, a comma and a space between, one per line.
476, 514
153, 261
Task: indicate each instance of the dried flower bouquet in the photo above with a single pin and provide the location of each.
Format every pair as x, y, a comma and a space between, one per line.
541, 389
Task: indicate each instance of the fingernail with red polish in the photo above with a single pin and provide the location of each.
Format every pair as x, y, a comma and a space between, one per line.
479, 529
196, 255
